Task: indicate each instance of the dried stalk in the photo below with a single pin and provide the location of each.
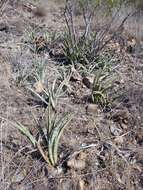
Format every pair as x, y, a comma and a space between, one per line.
3, 4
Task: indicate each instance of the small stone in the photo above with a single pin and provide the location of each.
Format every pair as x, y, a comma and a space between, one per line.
119, 140
121, 115
115, 130
38, 87
76, 164
82, 156
40, 11
88, 81
92, 108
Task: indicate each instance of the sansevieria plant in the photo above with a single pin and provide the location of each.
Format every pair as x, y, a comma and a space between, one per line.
48, 136
102, 83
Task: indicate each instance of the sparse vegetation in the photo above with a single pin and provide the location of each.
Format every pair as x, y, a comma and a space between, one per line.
70, 95
84, 46
99, 91
48, 138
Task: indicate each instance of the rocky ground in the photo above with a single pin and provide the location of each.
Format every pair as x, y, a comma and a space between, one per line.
102, 145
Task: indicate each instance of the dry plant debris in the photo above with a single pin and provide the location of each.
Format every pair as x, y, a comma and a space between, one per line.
91, 69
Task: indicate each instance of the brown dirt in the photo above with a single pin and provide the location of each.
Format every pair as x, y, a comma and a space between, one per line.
116, 162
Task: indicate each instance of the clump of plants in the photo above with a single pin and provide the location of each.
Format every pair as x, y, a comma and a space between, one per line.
46, 142
83, 46
78, 47
102, 85
40, 40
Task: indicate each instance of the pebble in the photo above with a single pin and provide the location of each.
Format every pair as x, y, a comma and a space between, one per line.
92, 108
115, 130
88, 81
40, 11
76, 164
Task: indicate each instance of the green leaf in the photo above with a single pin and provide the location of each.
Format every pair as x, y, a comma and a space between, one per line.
23, 131
55, 134
56, 140
34, 92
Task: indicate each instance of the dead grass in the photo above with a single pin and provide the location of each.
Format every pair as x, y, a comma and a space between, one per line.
101, 148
